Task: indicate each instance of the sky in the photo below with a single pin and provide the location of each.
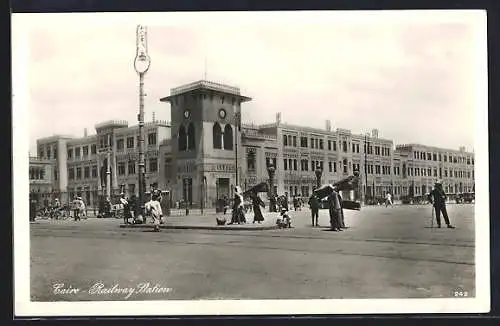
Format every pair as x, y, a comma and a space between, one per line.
413, 77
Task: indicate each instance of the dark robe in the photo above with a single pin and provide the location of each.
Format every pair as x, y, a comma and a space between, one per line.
256, 203
238, 216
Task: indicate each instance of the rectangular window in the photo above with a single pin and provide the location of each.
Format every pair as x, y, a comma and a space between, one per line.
312, 142
446, 173
131, 188
294, 141
334, 144
120, 144
153, 165
303, 141
377, 150
78, 173
152, 138
321, 144
429, 157
85, 151
295, 165
353, 148
71, 173
313, 165
330, 167
77, 152
329, 145
40, 153
357, 148
94, 171
290, 164
377, 167
344, 146
130, 142
86, 172
131, 167
70, 153
55, 174
121, 168
48, 153
285, 164
335, 167
93, 149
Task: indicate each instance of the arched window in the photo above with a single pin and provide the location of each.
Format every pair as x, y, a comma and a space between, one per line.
182, 138
228, 137
190, 137
217, 136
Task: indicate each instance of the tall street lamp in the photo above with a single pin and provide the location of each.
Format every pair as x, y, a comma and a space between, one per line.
367, 144
271, 170
141, 64
318, 171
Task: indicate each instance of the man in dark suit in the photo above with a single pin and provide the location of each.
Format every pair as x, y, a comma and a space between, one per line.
438, 199
314, 206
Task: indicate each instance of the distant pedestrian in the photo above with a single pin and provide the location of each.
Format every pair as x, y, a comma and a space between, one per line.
76, 209
335, 210
341, 212
153, 208
238, 215
314, 206
126, 208
256, 204
388, 200
438, 199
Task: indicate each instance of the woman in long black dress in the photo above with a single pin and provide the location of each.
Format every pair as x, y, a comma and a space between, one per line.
256, 203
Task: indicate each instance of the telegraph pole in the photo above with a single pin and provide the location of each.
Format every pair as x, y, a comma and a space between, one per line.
141, 65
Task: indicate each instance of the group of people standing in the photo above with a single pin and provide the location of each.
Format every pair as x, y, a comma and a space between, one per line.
334, 200
238, 208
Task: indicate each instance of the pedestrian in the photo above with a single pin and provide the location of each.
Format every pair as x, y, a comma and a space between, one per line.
126, 208
55, 209
388, 200
132, 207
153, 208
82, 208
335, 211
341, 212
314, 206
238, 216
107, 207
76, 209
256, 204
438, 199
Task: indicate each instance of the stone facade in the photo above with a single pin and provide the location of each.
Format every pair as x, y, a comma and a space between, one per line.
205, 151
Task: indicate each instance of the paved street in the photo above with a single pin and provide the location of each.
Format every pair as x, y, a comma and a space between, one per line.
385, 253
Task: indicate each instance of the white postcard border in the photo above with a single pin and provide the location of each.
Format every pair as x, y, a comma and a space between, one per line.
22, 303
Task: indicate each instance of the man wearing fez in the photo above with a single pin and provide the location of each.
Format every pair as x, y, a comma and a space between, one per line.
438, 199
314, 206
335, 211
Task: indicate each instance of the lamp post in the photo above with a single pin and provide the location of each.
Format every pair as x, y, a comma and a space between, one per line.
141, 64
318, 171
366, 169
271, 170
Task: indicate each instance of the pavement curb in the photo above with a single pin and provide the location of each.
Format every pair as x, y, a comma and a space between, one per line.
200, 227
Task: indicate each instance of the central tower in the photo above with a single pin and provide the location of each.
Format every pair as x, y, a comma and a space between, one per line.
205, 117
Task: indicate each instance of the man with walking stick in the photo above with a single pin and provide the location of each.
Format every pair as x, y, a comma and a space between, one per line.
438, 200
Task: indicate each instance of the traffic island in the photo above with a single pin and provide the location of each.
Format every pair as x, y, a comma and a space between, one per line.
210, 223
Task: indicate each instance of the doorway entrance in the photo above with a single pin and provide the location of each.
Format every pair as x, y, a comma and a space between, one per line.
222, 188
